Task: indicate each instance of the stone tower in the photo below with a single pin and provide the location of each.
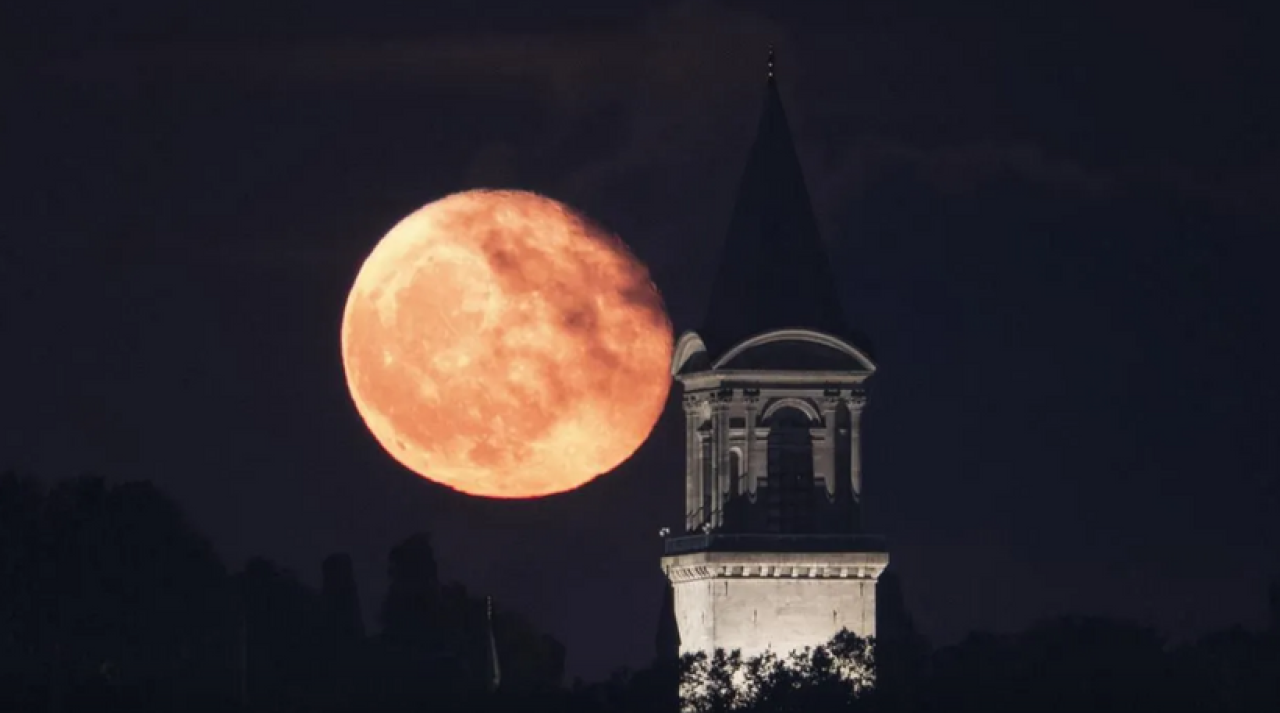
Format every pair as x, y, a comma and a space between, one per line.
773, 556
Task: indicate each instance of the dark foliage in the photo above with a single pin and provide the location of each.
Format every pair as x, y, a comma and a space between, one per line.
110, 601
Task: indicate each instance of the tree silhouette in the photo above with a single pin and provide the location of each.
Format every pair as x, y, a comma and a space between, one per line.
283, 621
829, 677
531, 661
1232, 670
21, 664
110, 601
115, 598
901, 652
410, 612
1070, 663
1273, 605
434, 643
343, 649
341, 600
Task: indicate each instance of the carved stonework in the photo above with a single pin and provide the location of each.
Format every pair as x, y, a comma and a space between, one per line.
721, 399
815, 570
831, 400
799, 404
856, 399
692, 402
697, 406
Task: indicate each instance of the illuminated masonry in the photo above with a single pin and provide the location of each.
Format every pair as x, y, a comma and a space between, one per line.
774, 556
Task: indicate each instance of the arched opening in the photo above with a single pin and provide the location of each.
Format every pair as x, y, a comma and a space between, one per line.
790, 473
737, 486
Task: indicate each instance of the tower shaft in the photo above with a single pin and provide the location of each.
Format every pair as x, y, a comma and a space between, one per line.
774, 556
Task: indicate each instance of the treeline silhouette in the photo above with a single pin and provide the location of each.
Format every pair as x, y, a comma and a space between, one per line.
111, 601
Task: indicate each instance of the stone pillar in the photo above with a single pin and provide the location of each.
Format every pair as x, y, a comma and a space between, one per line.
857, 399
759, 458
720, 404
692, 466
751, 402
825, 458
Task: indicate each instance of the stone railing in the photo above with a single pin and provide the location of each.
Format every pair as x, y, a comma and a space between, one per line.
726, 542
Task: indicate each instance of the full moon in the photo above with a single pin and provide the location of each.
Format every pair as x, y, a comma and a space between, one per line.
501, 344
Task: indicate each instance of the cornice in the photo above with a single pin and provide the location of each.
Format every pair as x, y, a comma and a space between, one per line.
853, 566
805, 379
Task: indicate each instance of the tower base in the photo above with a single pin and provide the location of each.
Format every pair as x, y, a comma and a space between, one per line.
733, 593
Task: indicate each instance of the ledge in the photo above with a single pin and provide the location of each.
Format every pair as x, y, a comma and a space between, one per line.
750, 543
697, 381
849, 566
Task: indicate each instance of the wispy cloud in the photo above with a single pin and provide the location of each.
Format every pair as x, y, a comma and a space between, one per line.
682, 113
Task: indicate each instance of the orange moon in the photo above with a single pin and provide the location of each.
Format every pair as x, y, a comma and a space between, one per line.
501, 344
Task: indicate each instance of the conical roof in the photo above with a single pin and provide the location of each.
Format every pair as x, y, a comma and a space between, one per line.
774, 272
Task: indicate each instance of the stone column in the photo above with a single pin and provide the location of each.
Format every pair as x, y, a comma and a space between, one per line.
692, 464
751, 402
825, 459
759, 457
856, 400
720, 404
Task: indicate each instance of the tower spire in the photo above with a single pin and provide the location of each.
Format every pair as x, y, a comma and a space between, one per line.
773, 393
774, 273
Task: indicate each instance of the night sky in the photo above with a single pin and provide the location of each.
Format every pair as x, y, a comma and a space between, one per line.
1057, 226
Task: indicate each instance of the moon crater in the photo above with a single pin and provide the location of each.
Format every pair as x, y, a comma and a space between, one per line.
501, 344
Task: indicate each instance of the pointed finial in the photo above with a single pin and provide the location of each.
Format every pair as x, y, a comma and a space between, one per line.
770, 63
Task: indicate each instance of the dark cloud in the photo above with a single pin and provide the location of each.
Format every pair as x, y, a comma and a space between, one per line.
668, 103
